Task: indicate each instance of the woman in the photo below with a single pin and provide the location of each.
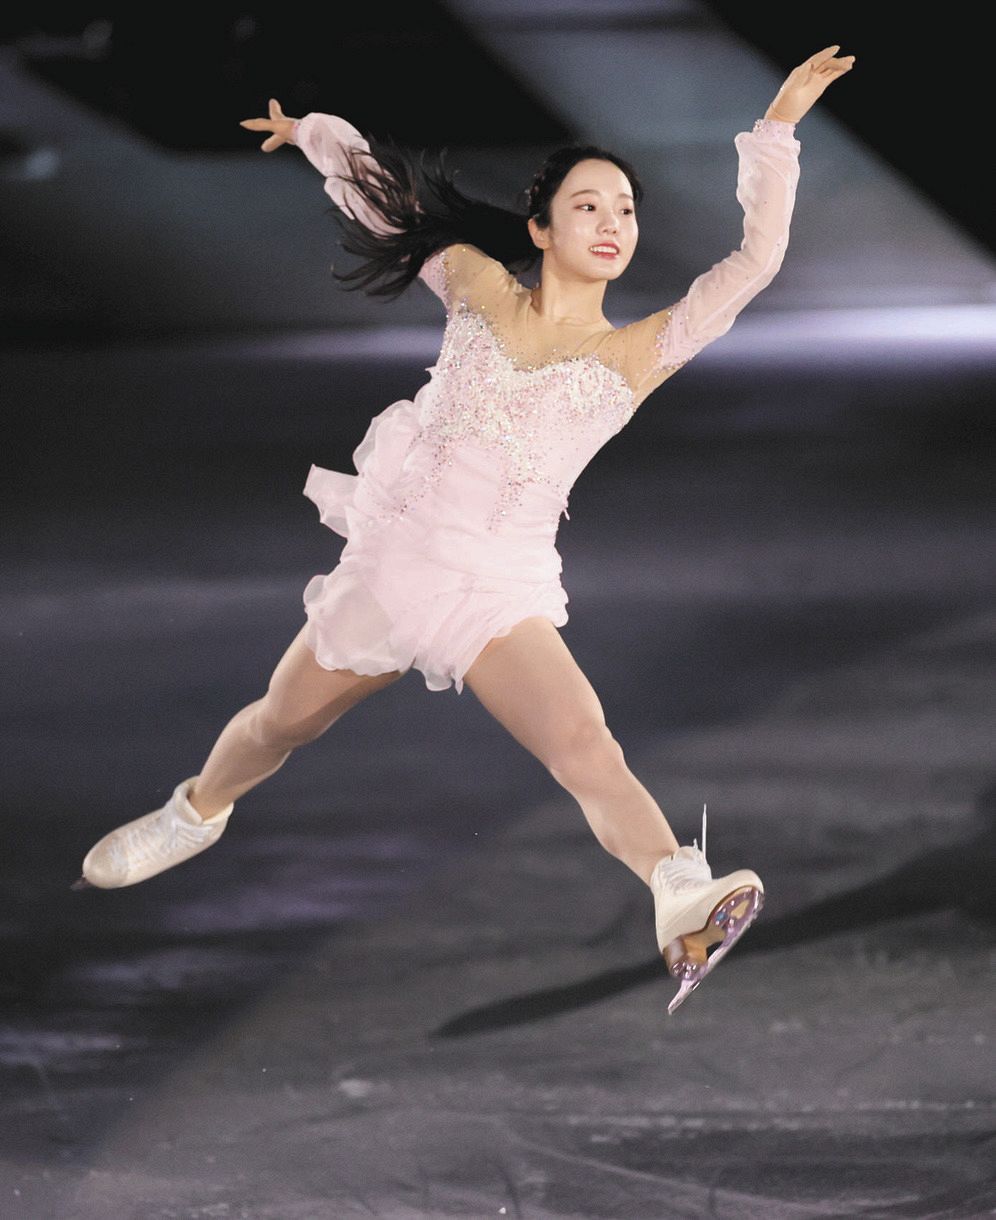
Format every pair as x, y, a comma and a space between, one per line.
450, 564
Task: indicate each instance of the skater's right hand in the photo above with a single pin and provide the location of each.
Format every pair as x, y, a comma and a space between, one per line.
278, 123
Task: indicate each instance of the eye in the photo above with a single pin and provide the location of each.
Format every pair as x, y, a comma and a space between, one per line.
591, 205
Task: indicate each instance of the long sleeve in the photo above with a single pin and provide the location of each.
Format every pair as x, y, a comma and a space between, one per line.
767, 177
324, 139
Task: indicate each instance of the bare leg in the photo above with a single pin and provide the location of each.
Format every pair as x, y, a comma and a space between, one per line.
532, 685
302, 701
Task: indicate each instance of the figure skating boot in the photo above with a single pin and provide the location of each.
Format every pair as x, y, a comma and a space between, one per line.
152, 843
695, 910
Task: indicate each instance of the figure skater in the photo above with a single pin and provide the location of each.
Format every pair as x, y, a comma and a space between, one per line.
450, 563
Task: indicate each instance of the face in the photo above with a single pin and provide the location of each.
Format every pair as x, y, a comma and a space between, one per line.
592, 207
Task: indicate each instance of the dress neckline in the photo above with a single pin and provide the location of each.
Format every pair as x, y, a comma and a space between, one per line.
528, 370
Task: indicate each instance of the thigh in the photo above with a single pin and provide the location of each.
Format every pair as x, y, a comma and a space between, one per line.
301, 690
529, 681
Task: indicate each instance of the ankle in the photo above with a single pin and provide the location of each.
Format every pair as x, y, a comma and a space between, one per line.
205, 805
647, 865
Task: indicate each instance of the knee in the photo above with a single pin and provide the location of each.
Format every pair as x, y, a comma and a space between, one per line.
587, 756
269, 729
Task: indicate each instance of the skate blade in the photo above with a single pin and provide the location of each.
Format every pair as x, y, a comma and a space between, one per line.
688, 958
82, 884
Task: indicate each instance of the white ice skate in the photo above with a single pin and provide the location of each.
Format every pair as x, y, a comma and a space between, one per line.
152, 843
695, 910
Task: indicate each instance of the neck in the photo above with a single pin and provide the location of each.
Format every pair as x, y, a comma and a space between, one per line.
568, 301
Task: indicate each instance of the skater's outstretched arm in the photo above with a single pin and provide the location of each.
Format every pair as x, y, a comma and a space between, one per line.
657, 346
324, 139
327, 140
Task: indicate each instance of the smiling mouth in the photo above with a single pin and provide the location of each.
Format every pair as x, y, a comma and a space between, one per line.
604, 251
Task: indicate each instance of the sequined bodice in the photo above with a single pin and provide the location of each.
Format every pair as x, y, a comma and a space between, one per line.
542, 423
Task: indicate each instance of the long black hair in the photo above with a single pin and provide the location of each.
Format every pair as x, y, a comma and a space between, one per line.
417, 196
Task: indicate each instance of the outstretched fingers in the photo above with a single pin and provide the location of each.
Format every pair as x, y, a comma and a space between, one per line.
827, 63
276, 124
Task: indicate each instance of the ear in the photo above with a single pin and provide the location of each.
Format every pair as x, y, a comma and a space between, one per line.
540, 236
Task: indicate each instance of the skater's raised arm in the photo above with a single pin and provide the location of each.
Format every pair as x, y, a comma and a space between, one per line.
768, 174
325, 140
340, 152
658, 345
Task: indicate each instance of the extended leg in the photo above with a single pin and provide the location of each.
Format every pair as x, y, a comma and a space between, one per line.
301, 702
532, 685
529, 681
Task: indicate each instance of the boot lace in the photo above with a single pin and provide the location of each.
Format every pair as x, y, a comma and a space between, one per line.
688, 867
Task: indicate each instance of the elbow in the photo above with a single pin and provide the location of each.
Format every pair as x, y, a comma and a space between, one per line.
764, 263
776, 258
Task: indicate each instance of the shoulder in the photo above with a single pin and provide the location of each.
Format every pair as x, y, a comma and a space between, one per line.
641, 351
469, 272
644, 332
462, 256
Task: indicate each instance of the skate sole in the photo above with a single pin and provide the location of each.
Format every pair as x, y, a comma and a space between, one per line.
688, 958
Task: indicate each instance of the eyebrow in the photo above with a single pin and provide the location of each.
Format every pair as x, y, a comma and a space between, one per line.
590, 190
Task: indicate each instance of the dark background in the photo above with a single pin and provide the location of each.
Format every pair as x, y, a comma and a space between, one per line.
408, 981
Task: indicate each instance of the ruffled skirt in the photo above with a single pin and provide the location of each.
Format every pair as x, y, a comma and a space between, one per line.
428, 587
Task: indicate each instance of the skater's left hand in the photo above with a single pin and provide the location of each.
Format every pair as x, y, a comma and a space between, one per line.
806, 83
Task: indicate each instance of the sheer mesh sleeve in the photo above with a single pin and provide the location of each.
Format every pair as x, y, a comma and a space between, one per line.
464, 273
661, 343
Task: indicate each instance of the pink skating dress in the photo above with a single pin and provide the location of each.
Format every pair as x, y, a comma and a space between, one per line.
452, 516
